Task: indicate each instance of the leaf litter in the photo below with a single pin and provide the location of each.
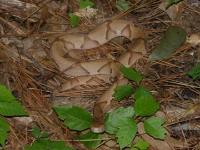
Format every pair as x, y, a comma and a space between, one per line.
32, 76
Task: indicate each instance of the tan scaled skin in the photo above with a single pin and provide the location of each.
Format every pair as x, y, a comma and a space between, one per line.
103, 69
102, 105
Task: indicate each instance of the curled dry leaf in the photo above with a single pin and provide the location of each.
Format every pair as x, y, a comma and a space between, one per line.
11, 52
172, 11
13, 26
20, 9
193, 39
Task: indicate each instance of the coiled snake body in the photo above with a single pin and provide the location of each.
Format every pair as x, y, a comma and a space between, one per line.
82, 72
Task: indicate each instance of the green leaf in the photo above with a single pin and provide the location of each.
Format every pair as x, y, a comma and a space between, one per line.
74, 20
140, 145
133, 148
117, 118
126, 133
4, 129
122, 5
85, 4
74, 117
120, 122
174, 37
47, 145
5, 94
9, 106
37, 133
172, 2
145, 103
153, 126
195, 72
7, 109
90, 140
131, 74
122, 91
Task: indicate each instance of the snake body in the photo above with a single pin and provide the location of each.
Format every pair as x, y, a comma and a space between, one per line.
102, 69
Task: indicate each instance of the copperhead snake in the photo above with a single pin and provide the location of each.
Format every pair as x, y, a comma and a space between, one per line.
106, 70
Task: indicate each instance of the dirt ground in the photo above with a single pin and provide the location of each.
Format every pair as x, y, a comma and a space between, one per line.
27, 68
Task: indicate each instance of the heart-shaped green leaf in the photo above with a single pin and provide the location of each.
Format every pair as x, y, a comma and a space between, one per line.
74, 117
74, 20
145, 103
4, 129
9, 105
153, 126
131, 74
122, 91
126, 133
117, 118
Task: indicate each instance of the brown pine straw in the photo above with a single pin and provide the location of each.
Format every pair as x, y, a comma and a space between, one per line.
38, 107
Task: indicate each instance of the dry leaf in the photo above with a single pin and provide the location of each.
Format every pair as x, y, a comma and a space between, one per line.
172, 11
194, 39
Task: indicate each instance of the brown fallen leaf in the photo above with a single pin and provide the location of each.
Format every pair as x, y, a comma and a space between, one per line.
172, 11
193, 39
14, 27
